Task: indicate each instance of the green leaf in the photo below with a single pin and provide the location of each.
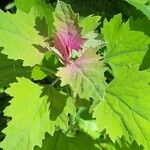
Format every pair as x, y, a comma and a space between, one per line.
124, 47
19, 37
89, 127
140, 24
30, 116
93, 41
48, 67
140, 4
85, 75
89, 24
60, 141
25, 5
125, 110
60, 106
34, 110
45, 10
10, 69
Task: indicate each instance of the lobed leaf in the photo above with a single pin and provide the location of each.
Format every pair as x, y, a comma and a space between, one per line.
85, 76
125, 110
44, 10
30, 116
124, 47
19, 37
68, 33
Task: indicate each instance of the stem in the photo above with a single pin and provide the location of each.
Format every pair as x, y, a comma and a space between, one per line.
55, 81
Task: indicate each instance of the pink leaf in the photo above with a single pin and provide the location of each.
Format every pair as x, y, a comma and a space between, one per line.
68, 33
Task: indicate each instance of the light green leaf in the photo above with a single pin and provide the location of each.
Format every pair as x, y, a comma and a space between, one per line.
26, 5
29, 110
33, 116
45, 10
125, 110
93, 40
89, 24
61, 142
85, 75
140, 4
19, 37
124, 47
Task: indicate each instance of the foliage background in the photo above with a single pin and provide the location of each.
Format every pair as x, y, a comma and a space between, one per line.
104, 8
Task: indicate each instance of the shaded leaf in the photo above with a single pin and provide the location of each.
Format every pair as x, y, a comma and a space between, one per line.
60, 141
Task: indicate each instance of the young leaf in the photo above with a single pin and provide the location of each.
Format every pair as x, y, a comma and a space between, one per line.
124, 47
19, 37
30, 116
85, 75
68, 33
125, 110
61, 142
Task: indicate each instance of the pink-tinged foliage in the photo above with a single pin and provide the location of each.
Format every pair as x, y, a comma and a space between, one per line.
85, 75
68, 33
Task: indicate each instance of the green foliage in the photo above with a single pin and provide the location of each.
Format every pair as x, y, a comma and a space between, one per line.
44, 10
96, 100
124, 47
141, 5
89, 23
67, 143
126, 107
21, 38
10, 69
30, 116
48, 66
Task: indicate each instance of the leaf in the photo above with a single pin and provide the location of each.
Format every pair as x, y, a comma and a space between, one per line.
93, 40
60, 106
140, 24
10, 69
125, 110
85, 76
48, 67
89, 127
68, 33
19, 37
89, 24
44, 9
30, 116
141, 6
60, 141
124, 47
